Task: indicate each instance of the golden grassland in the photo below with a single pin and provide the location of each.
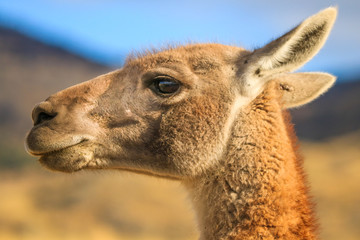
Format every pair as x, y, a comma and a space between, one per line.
37, 204
333, 169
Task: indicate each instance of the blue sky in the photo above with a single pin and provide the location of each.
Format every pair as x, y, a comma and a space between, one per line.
106, 30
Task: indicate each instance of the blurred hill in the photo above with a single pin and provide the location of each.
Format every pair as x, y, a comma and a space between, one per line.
334, 114
35, 204
29, 72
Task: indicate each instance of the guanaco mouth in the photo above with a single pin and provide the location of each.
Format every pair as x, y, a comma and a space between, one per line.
54, 151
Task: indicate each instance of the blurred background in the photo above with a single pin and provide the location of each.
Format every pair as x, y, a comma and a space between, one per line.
47, 45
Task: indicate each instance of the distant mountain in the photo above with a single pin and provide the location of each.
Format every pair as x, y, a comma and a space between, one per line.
335, 113
30, 71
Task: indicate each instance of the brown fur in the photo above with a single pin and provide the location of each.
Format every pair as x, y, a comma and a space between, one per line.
263, 199
223, 133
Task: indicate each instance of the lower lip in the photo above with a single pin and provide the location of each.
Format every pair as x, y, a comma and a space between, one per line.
57, 150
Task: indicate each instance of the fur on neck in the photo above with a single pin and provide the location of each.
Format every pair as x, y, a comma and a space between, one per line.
258, 189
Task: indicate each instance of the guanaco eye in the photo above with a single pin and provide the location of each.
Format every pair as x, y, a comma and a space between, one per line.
165, 85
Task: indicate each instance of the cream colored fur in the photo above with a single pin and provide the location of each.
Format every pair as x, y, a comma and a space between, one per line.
296, 90
288, 52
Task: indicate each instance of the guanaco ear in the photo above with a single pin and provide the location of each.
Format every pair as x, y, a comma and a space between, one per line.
301, 88
288, 52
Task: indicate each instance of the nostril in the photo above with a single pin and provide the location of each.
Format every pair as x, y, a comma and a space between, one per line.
43, 117
43, 112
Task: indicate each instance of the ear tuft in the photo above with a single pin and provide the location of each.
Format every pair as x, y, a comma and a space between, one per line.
287, 53
298, 46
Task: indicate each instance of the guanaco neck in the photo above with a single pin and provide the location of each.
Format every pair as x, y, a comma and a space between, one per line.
257, 191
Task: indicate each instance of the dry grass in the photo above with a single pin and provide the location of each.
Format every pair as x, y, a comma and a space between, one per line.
333, 168
41, 205
36, 204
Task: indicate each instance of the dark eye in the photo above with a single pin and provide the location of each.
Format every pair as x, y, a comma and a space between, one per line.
165, 85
